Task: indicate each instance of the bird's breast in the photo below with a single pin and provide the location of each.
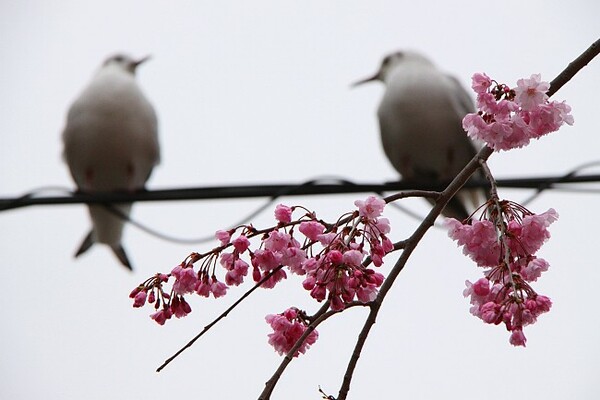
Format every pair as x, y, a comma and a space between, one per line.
111, 137
419, 126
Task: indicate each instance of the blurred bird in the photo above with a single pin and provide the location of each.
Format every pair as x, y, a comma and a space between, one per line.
111, 144
420, 120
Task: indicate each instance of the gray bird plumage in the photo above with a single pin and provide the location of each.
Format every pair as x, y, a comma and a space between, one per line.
420, 120
111, 144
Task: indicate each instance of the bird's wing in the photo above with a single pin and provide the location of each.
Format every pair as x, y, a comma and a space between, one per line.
147, 147
464, 105
464, 101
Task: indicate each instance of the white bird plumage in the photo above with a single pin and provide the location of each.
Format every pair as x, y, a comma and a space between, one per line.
420, 121
111, 144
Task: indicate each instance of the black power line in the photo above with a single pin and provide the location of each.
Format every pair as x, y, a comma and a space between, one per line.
313, 187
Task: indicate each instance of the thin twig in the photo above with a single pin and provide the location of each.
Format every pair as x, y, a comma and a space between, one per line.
574, 67
220, 317
499, 222
490, 178
426, 194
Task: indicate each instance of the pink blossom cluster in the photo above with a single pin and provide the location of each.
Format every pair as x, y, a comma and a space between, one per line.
151, 291
337, 273
505, 243
510, 118
288, 327
330, 256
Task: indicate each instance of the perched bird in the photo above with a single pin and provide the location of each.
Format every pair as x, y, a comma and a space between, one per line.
420, 121
111, 144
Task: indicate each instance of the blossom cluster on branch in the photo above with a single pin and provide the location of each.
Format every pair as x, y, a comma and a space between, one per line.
504, 242
335, 259
505, 239
288, 327
510, 117
331, 257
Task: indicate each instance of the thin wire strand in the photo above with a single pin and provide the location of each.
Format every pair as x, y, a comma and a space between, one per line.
332, 184
312, 187
565, 177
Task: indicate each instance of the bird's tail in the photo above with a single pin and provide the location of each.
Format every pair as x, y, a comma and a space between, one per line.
456, 208
88, 241
117, 249
466, 201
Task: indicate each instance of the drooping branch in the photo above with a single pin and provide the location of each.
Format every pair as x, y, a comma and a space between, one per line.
409, 247
422, 229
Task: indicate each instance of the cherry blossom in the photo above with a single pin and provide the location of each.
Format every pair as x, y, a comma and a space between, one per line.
223, 236
283, 214
311, 229
330, 257
481, 83
241, 243
208, 285
162, 316
531, 93
371, 208
179, 307
504, 243
288, 327
339, 261
237, 272
185, 279
510, 118
139, 299
479, 240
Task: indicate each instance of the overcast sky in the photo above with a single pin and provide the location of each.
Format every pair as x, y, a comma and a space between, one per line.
258, 92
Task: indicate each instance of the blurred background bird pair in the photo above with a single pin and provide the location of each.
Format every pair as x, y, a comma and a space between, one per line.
111, 136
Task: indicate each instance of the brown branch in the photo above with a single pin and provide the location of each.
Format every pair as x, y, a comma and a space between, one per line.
426, 194
409, 247
574, 67
429, 220
490, 178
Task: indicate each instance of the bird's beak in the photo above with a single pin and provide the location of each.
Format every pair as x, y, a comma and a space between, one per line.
366, 80
141, 61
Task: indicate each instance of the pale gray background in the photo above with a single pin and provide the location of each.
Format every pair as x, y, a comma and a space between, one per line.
258, 91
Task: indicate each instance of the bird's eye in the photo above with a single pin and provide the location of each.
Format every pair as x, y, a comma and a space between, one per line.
118, 59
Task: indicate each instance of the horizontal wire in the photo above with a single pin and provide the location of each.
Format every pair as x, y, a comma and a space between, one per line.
325, 185
312, 187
